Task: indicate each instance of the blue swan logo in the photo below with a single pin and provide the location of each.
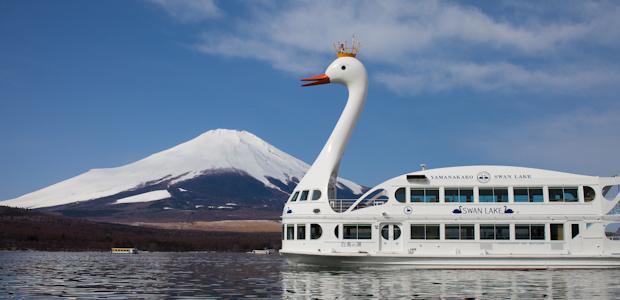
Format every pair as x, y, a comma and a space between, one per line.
289, 210
457, 210
507, 210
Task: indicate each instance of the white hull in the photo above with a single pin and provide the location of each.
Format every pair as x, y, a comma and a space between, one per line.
456, 262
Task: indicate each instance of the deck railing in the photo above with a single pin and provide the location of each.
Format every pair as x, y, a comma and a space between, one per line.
341, 205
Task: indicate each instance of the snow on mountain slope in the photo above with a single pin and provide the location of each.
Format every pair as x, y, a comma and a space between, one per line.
145, 197
220, 149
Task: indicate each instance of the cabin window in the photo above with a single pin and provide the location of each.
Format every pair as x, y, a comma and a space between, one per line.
294, 198
530, 231
459, 231
290, 232
493, 195
304, 195
424, 195
611, 191
316, 195
315, 231
400, 195
459, 195
283, 232
337, 231
357, 232
301, 231
529, 194
494, 232
377, 197
560, 194
574, 229
588, 194
425, 231
557, 232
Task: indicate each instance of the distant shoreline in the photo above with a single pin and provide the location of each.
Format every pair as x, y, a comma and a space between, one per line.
29, 230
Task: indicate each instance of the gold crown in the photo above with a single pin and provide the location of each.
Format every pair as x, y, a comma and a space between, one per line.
344, 51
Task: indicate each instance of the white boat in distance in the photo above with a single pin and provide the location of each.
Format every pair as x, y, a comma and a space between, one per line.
494, 217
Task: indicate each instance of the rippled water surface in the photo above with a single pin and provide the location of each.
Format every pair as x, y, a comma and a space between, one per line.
234, 275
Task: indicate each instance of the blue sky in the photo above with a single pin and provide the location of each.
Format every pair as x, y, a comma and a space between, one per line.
100, 84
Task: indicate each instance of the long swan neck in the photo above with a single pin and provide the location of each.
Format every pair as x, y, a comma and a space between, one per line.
333, 150
324, 170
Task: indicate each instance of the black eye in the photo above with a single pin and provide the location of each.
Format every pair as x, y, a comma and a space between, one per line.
343, 68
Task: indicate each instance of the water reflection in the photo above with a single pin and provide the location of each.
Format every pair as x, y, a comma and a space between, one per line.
233, 275
449, 284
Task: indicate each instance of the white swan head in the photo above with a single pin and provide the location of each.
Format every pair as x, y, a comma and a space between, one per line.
347, 71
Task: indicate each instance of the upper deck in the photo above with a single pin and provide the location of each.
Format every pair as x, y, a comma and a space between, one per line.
478, 191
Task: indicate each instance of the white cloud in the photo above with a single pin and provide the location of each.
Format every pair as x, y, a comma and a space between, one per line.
583, 140
433, 45
497, 76
190, 10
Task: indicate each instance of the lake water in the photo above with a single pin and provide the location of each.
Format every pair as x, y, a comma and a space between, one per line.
47, 275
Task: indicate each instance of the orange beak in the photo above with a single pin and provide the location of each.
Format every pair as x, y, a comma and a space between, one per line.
319, 79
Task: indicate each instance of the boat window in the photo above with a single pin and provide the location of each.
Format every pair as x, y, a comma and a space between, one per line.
385, 232
304, 195
424, 195
290, 232
315, 231
555, 194
493, 195
536, 195
530, 231
377, 197
283, 232
459, 231
563, 194
316, 195
570, 195
336, 231
397, 232
612, 231
557, 232
494, 232
533, 194
611, 191
400, 195
301, 231
521, 195
294, 198
588, 194
574, 228
357, 232
459, 195
364, 232
424, 231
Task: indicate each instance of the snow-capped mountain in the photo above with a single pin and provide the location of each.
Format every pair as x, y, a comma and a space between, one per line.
219, 165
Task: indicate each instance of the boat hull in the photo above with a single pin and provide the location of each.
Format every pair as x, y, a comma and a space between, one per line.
455, 262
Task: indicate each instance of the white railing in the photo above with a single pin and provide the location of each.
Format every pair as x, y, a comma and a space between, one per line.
341, 205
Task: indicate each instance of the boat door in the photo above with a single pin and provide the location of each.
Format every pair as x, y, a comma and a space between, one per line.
391, 237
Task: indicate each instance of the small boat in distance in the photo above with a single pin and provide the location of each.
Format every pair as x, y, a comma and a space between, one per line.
467, 217
119, 250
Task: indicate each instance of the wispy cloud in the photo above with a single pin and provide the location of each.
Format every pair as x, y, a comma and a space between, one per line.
190, 10
429, 46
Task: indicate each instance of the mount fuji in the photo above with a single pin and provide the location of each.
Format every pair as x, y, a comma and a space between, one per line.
221, 169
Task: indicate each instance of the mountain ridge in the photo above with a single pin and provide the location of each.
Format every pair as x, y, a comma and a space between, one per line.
218, 152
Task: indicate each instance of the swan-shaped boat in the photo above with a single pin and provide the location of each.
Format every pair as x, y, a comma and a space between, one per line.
459, 217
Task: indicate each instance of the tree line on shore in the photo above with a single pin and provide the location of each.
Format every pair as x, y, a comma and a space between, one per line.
22, 229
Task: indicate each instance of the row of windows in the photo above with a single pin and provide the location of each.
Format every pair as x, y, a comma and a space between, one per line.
289, 231
316, 195
433, 232
495, 194
490, 231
